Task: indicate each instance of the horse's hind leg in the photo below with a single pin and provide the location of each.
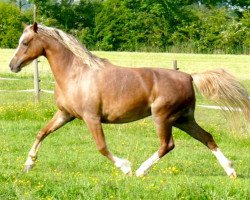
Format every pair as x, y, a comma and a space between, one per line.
194, 130
59, 119
164, 130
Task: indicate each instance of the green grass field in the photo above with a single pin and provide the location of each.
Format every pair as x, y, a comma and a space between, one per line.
70, 167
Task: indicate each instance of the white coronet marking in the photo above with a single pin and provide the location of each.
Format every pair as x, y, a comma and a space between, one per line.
225, 163
123, 164
143, 169
29, 162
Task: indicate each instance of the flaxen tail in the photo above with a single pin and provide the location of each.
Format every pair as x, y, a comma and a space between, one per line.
224, 89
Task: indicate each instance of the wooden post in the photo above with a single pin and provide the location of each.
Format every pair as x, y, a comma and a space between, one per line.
36, 72
175, 65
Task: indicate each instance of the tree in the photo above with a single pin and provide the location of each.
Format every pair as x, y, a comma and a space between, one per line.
203, 26
132, 25
10, 25
211, 30
246, 28
75, 17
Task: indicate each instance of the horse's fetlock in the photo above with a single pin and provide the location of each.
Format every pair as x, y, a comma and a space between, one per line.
39, 136
171, 146
165, 149
32, 156
103, 150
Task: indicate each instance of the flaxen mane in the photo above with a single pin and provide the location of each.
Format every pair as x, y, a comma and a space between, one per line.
72, 44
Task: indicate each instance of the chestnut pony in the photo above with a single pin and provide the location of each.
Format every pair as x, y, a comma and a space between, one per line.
96, 91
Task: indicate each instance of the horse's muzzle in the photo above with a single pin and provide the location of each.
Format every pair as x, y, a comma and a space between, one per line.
15, 66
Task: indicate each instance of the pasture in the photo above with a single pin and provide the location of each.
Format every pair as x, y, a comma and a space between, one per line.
70, 167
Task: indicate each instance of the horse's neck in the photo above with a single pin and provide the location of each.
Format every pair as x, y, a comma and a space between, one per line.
66, 66
61, 61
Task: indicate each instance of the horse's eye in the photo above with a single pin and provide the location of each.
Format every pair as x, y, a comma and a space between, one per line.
25, 44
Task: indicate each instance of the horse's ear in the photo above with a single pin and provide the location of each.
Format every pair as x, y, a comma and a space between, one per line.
35, 27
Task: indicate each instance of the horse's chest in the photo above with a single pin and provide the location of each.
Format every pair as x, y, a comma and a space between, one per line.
77, 102
69, 103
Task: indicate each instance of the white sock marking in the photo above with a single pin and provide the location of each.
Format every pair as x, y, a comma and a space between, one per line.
31, 157
29, 162
224, 162
143, 169
123, 164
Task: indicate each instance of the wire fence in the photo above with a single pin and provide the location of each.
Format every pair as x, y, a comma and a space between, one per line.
25, 90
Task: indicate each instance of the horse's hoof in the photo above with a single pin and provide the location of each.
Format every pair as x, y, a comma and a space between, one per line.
126, 168
130, 173
140, 173
124, 165
233, 175
27, 168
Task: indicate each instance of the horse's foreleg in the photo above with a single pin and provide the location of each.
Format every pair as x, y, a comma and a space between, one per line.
194, 130
95, 128
59, 119
167, 144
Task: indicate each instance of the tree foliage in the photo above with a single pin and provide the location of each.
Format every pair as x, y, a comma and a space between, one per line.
204, 26
135, 25
10, 25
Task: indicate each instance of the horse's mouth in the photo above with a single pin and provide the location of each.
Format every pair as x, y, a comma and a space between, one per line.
15, 69
18, 66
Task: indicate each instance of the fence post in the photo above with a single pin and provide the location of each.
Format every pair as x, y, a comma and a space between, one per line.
175, 65
36, 72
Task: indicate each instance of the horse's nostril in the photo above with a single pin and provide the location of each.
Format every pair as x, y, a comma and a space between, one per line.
11, 66
14, 68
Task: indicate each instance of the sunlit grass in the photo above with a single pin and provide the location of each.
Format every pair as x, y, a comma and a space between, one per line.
69, 166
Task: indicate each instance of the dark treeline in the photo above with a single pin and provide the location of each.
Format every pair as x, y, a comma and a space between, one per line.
191, 26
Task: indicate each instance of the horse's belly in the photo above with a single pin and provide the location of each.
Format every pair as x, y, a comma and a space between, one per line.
122, 116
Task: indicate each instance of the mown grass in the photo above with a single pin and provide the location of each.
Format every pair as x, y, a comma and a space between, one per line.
70, 167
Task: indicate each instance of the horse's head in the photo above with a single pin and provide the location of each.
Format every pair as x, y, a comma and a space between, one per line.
29, 48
